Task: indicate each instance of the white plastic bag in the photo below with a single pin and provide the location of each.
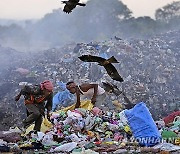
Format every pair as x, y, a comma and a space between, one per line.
66, 147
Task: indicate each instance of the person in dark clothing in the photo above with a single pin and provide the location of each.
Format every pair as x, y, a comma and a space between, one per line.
37, 99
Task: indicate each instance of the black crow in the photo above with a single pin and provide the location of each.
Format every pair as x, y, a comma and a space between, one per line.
70, 5
111, 70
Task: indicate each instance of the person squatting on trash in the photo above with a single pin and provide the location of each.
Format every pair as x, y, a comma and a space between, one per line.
37, 98
91, 91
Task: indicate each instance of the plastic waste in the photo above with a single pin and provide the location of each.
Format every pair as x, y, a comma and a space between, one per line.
14, 129
167, 147
167, 134
63, 97
40, 136
170, 118
121, 151
83, 151
127, 129
160, 124
74, 138
142, 125
66, 147
176, 124
81, 111
73, 114
117, 137
46, 125
48, 140
123, 118
3, 142
89, 122
96, 111
86, 104
77, 151
177, 141
89, 145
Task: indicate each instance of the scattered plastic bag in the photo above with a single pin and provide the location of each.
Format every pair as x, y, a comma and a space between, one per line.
66, 147
86, 104
88, 151
167, 147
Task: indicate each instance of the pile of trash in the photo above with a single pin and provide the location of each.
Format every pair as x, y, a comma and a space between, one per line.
91, 130
149, 69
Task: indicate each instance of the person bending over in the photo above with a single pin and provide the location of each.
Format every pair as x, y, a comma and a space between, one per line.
91, 91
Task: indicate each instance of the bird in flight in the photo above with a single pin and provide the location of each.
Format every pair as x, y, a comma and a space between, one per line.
70, 5
107, 63
111, 88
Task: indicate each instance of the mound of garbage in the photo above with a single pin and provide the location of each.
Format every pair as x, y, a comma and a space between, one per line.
91, 130
150, 69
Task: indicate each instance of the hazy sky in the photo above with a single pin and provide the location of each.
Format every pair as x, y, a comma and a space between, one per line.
28, 9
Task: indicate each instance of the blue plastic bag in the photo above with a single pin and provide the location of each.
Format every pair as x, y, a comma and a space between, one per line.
142, 125
63, 97
62, 86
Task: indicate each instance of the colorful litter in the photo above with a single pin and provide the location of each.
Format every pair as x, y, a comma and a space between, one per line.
92, 130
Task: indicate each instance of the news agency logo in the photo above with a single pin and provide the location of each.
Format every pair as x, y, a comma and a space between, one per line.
152, 140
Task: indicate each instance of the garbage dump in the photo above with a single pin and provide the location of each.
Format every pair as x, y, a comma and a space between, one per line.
150, 69
92, 130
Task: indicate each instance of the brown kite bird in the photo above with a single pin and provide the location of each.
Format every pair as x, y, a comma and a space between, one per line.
107, 63
70, 5
111, 88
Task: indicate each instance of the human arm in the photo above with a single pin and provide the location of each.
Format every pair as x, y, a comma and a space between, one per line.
25, 90
78, 98
93, 99
49, 105
17, 97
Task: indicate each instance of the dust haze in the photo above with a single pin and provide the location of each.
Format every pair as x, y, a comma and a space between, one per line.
97, 21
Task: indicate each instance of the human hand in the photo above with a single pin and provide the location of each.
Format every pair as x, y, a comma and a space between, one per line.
17, 98
48, 115
77, 105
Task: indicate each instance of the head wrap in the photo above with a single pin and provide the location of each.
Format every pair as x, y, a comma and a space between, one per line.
46, 84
